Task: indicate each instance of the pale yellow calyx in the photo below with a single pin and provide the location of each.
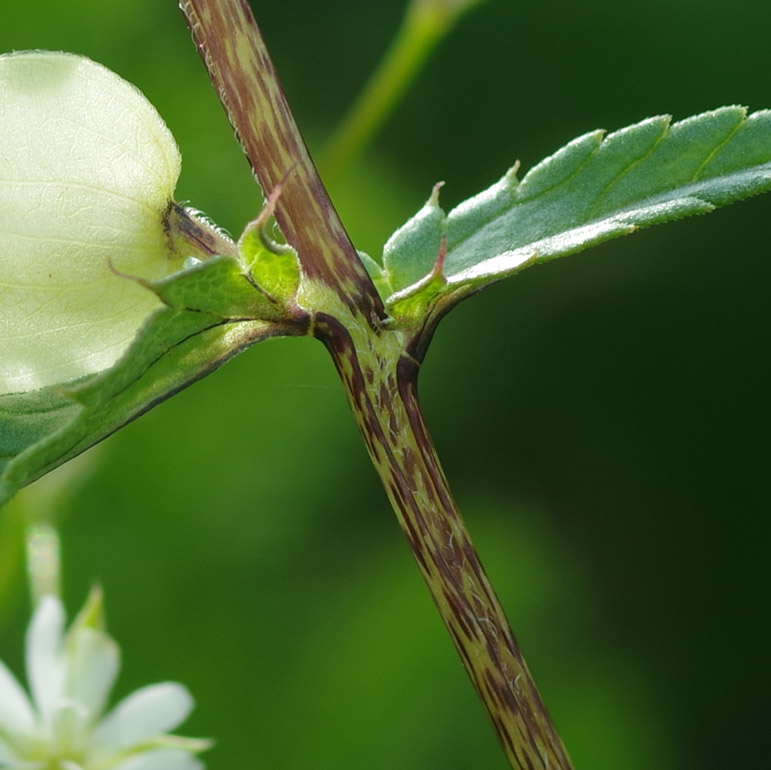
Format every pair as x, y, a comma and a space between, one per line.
87, 173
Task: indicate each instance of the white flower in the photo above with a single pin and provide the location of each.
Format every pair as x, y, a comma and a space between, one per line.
70, 676
87, 173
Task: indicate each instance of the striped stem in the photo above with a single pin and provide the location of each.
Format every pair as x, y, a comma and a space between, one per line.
242, 71
379, 377
380, 381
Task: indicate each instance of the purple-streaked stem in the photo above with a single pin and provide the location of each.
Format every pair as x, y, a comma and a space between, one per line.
379, 375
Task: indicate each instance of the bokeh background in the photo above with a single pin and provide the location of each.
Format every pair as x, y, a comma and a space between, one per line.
604, 419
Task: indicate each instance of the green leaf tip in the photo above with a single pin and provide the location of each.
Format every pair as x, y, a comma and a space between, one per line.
273, 267
91, 614
410, 253
596, 187
378, 275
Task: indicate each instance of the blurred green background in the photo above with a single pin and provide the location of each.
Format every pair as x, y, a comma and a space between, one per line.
604, 420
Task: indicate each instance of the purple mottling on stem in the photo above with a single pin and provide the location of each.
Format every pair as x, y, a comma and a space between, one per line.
382, 393
384, 397
245, 79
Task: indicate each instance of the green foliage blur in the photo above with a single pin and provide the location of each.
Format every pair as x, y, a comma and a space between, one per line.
604, 419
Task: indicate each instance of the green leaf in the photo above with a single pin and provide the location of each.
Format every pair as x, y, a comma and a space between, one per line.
595, 188
276, 269
377, 274
411, 252
212, 312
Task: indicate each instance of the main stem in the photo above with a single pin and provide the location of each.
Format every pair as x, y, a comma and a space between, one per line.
380, 380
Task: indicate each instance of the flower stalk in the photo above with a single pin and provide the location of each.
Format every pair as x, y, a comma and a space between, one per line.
378, 367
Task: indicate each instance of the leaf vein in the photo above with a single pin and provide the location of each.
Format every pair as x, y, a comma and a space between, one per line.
717, 149
613, 182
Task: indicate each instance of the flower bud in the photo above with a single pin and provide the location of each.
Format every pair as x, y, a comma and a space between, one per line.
87, 173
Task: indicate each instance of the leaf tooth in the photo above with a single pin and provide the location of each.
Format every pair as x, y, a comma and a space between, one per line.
685, 157
559, 167
708, 132
749, 146
410, 252
463, 220
619, 154
737, 112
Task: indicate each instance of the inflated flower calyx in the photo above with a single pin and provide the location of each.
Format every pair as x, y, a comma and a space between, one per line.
88, 169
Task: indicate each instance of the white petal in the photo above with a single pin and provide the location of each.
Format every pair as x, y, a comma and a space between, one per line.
7, 754
161, 759
69, 723
92, 663
88, 169
16, 716
44, 666
9, 759
144, 714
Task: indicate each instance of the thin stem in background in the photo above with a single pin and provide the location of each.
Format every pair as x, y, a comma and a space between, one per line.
425, 24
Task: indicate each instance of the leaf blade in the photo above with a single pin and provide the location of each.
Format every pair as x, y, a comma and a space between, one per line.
601, 186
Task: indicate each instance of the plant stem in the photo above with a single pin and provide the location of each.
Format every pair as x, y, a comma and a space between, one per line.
379, 377
381, 384
242, 71
423, 27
